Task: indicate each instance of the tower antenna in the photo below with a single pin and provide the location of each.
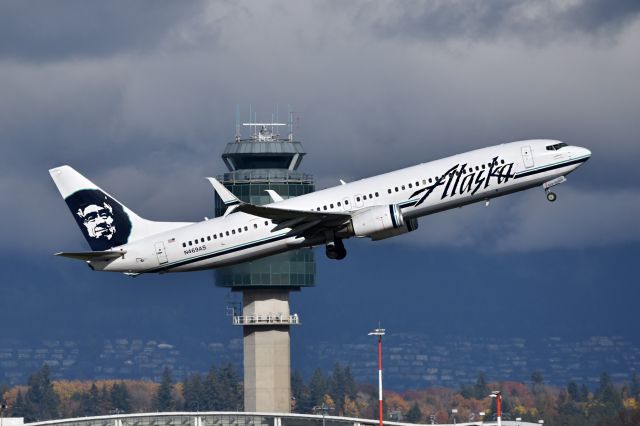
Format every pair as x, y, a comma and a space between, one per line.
237, 123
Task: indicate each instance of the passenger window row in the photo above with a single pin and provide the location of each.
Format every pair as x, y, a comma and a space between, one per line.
222, 234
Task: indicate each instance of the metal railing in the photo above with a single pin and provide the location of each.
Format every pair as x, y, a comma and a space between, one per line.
266, 319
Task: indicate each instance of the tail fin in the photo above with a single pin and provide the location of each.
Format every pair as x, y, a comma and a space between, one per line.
104, 221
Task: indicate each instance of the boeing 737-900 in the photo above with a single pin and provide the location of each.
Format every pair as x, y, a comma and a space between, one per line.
378, 207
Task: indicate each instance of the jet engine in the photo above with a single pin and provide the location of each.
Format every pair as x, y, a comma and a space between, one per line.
381, 222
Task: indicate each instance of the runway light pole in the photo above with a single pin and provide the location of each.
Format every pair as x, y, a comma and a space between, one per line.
498, 396
379, 332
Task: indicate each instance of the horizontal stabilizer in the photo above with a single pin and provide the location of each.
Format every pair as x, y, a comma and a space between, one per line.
93, 255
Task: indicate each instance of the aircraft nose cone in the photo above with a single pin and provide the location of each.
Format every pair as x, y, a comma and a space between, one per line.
585, 152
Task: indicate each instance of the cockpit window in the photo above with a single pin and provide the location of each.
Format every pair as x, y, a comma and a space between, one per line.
556, 146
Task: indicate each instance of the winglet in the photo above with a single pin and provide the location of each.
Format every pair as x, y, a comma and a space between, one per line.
225, 195
274, 195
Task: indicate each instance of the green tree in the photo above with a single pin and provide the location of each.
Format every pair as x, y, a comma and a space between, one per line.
573, 391
318, 388
90, 401
41, 399
337, 388
634, 387
350, 385
609, 396
538, 382
584, 393
299, 391
163, 399
120, 398
210, 399
414, 415
193, 391
480, 389
104, 401
230, 389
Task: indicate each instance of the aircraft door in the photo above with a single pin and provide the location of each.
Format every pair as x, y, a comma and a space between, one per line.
161, 253
359, 201
527, 156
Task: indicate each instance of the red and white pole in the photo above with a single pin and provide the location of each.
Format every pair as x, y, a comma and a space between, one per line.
379, 332
498, 396
380, 378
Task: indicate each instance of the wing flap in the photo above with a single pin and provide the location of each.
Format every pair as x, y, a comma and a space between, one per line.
93, 255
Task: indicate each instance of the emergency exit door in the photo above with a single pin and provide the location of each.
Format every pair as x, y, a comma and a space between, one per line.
161, 253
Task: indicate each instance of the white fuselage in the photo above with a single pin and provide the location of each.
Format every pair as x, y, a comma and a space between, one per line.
418, 191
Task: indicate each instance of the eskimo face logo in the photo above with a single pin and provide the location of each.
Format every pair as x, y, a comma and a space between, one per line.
98, 220
102, 219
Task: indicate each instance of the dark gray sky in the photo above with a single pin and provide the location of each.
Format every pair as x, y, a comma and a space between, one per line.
141, 96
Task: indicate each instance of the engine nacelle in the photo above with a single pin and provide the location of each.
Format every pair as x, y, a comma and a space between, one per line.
381, 222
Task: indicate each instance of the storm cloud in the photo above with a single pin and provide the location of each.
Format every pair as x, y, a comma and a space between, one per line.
141, 97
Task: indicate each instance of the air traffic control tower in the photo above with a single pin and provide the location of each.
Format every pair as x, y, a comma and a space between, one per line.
266, 161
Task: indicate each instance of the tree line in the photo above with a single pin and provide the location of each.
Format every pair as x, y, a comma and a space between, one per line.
333, 392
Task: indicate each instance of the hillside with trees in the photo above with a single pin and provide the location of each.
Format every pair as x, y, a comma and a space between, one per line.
220, 389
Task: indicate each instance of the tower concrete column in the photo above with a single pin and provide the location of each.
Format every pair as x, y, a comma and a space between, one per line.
267, 359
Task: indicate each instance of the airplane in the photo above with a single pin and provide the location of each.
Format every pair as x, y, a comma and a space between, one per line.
378, 207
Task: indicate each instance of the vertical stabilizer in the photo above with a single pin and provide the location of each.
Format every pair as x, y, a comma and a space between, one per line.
103, 220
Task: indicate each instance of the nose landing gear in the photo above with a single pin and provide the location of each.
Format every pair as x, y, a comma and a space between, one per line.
335, 249
551, 196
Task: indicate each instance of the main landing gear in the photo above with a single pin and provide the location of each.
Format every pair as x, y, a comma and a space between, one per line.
551, 196
335, 249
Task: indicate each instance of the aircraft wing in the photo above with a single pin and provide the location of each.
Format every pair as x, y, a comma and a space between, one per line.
93, 255
301, 222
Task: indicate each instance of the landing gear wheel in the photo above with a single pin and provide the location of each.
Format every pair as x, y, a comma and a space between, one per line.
551, 196
336, 250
